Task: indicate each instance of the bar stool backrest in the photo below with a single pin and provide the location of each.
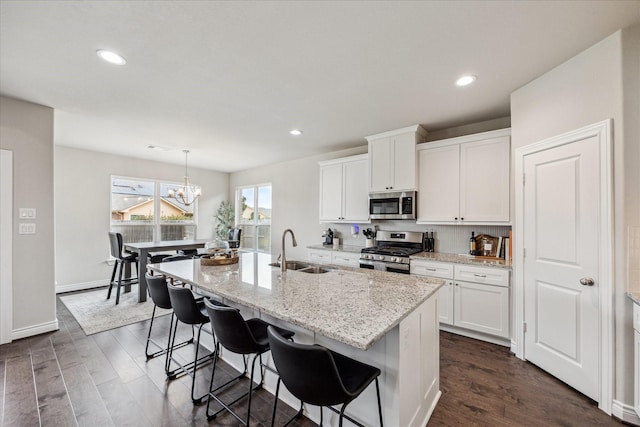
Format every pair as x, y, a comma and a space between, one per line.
184, 305
231, 329
308, 371
115, 240
157, 286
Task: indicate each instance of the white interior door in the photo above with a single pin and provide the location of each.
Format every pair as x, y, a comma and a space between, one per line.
561, 261
6, 245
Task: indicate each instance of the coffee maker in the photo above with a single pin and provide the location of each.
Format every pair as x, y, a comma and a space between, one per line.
328, 238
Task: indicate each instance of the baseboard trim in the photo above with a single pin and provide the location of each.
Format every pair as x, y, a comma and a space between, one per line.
60, 289
29, 331
625, 413
476, 335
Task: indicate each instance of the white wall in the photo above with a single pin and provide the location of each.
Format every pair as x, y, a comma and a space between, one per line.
586, 89
27, 130
295, 198
82, 185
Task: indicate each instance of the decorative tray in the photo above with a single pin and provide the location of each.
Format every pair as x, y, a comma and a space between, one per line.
212, 260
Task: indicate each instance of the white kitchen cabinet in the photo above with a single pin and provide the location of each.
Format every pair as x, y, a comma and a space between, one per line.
392, 159
473, 299
343, 190
482, 308
328, 256
348, 259
438, 270
465, 179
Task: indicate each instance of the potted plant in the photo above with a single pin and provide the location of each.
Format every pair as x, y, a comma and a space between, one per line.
225, 219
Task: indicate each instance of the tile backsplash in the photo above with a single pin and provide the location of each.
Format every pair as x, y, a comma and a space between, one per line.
453, 239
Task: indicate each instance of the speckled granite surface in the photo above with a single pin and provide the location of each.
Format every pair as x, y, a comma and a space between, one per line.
341, 248
634, 296
462, 259
351, 305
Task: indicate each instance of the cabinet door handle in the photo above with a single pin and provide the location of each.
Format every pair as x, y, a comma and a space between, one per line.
480, 275
430, 269
456, 218
461, 219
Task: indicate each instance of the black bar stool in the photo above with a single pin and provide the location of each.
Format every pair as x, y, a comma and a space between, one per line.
319, 376
115, 241
159, 293
193, 313
243, 337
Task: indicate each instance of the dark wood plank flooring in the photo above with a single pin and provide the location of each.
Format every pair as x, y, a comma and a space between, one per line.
66, 378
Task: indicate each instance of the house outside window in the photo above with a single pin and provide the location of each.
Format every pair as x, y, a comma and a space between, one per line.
142, 211
253, 216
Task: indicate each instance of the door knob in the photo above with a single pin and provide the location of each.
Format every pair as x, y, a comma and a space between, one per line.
587, 281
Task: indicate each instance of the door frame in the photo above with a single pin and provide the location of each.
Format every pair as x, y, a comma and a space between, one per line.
603, 131
6, 246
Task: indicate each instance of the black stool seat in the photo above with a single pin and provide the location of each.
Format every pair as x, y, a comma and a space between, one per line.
191, 312
319, 376
159, 293
121, 261
241, 337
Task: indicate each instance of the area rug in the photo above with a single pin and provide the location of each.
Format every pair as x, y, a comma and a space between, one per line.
95, 313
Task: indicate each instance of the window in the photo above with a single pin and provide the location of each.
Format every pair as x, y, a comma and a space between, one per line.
253, 216
142, 211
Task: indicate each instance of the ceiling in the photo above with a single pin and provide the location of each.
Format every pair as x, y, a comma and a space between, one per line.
228, 80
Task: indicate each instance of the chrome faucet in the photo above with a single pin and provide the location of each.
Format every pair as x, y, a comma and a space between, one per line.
283, 261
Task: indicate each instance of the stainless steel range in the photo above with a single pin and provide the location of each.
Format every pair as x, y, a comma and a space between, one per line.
392, 251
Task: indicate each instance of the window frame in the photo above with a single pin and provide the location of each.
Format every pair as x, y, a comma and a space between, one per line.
157, 221
255, 223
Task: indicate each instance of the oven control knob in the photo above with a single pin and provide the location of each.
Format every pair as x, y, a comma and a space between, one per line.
394, 259
381, 257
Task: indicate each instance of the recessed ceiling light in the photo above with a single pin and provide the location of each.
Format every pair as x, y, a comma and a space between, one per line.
295, 132
111, 57
465, 80
157, 147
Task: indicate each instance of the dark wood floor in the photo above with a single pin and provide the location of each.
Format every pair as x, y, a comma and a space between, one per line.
65, 378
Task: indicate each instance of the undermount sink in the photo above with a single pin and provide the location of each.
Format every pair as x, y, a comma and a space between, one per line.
316, 269
303, 267
292, 265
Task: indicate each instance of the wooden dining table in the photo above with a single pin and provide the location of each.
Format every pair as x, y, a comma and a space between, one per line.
144, 248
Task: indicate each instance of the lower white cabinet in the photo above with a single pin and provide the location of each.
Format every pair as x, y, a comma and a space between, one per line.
320, 256
349, 259
474, 298
482, 308
328, 256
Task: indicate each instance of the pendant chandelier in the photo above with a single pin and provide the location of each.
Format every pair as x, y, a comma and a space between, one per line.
188, 193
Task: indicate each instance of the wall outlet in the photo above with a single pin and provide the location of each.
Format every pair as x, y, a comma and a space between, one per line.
27, 228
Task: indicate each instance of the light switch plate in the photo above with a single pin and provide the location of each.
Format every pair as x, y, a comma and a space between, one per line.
27, 228
27, 213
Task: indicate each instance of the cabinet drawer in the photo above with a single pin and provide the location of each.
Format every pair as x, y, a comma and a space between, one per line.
319, 256
346, 258
636, 317
487, 275
431, 268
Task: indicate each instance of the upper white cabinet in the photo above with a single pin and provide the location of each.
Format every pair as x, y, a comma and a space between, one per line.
392, 159
465, 179
343, 190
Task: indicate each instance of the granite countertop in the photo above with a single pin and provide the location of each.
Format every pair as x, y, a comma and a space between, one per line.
463, 259
351, 305
341, 248
634, 296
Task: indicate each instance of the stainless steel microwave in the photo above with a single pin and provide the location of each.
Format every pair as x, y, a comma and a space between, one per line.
392, 205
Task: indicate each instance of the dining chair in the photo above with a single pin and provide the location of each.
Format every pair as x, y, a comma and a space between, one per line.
121, 262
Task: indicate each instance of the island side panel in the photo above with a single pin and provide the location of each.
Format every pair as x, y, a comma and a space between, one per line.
419, 365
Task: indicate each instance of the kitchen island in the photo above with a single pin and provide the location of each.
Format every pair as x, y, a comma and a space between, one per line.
384, 319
